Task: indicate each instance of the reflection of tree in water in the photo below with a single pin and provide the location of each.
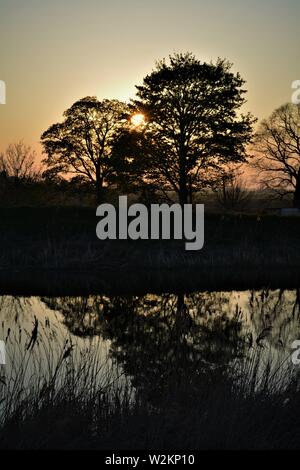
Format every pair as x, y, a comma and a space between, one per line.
162, 342
82, 315
275, 316
171, 342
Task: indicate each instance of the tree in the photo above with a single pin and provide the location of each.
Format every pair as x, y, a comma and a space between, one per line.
277, 151
233, 193
192, 128
191, 331
19, 162
82, 143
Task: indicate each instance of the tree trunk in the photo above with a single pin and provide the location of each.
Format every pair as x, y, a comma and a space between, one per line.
183, 189
99, 186
190, 190
180, 304
296, 201
99, 193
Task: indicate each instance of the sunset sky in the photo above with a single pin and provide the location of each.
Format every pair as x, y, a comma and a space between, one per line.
55, 52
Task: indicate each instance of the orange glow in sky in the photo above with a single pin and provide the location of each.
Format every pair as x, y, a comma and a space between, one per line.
59, 52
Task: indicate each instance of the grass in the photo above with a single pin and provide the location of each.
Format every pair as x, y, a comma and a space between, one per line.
58, 398
241, 248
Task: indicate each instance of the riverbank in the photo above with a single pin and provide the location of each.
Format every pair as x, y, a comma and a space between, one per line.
207, 406
42, 246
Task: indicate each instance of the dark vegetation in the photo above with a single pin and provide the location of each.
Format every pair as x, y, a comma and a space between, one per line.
214, 413
241, 247
188, 377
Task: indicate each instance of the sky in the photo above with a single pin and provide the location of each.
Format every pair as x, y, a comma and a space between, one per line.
53, 53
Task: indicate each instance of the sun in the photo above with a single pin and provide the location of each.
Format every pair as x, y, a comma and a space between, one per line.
137, 119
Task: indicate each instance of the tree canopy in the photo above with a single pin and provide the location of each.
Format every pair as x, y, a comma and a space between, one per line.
81, 145
19, 162
277, 151
192, 127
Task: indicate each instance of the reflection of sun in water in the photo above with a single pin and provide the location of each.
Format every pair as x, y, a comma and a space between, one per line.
137, 119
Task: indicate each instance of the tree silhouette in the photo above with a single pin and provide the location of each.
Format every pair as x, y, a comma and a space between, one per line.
82, 143
164, 343
277, 148
19, 162
192, 128
233, 193
170, 344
